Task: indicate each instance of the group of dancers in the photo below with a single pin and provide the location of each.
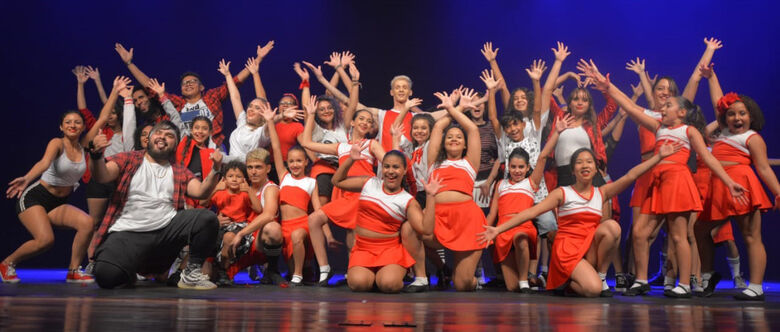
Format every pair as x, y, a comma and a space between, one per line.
407, 184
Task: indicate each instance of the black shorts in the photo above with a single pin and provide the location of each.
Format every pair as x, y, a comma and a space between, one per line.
100, 190
422, 198
36, 194
324, 185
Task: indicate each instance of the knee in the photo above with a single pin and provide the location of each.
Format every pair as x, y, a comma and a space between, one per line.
521, 243
359, 283
389, 286
44, 242
272, 233
591, 290
205, 219
464, 283
109, 276
317, 219
298, 236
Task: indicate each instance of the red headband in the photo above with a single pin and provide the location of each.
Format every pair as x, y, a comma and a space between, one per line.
726, 101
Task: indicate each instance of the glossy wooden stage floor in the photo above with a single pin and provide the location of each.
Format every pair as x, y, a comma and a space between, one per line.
43, 306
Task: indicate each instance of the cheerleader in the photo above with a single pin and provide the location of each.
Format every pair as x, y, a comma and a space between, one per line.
379, 256
583, 246
673, 194
512, 196
295, 195
737, 145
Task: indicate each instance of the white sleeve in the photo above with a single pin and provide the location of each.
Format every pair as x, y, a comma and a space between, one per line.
128, 127
406, 146
501, 147
172, 113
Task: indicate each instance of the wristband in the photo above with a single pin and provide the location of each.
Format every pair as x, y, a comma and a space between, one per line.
304, 84
95, 155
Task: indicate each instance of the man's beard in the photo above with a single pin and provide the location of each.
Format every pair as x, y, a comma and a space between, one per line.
161, 155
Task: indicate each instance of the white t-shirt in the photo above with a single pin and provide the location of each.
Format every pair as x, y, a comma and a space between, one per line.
244, 139
531, 130
327, 136
149, 204
190, 111
530, 145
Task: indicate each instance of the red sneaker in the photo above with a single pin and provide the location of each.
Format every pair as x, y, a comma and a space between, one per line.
8, 273
78, 276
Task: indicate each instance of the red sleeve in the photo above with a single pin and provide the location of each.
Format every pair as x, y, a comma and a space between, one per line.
607, 113
555, 110
120, 159
217, 200
89, 119
220, 93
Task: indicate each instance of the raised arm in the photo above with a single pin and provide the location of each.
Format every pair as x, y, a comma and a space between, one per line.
470, 129
276, 147
716, 92
611, 189
633, 110
102, 171
94, 74
354, 96
616, 125
638, 66
490, 55
492, 84
352, 183
81, 77
201, 189
305, 84
317, 71
168, 106
253, 66
307, 141
535, 73
120, 83
549, 85
693, 82
127, 58
235, 96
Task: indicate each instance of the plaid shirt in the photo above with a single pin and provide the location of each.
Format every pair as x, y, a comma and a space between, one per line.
128, 163
213, 99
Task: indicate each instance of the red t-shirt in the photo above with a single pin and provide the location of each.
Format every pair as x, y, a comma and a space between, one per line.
288, 135
237, 207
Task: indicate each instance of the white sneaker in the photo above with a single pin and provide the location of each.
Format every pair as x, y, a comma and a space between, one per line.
193, 278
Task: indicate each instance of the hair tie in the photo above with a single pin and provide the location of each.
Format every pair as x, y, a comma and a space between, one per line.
726, 101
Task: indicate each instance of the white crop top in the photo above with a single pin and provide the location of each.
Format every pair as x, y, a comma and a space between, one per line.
63, 172
570, 140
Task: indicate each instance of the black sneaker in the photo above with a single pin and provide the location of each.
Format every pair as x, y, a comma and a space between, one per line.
292, 284
173, 279
223, 279
272, 278
711, 283
254, 274
621, 282
444, 277
525, 290
410, 288
606, 293
642, 289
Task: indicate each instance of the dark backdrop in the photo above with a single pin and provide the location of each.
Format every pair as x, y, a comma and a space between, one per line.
436, 43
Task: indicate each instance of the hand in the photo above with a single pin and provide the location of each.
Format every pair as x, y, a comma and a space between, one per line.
224, 67
216, 159
335, 60
291, 113
433, 186
636, 65
468, 99
127, 56
316, 70
264, 50
487, 236
561, 53
126, 92
234, 243
310, 105
738, 193
356, 151
668, 149
712, 43
354, 73
490, 81
446, 99
16, 187
412, 102
100, 143
333, 243
302, 72
120, 83
347, 58
221, 185
566, 122
484, 192
488, 51
585, 83
267, 113
707, 71
652, 80
244, 186
558, 92
397, 130
637, 89
223, 219
158, 88
252, 65
537, 69
81, 74
93, 73
590, 70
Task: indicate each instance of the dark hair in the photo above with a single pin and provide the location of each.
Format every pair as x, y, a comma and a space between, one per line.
190, 73
236, 164
529, 96
425, 117
693, 114
521, 154
672, 86
119, 111
188, 140
443, 153
510, 118
297, 147
155, 108
167, 125
396, 153
484, 108
756, 116
66, 113
137, 136
337, 117
576, 154
590, 114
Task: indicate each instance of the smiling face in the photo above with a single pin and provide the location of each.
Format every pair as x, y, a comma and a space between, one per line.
672, 113
201, 131
580, 102
514, 130
72, 125
113, 119
296, 162
257, 171
421, 131
454, 142
145, 136
662, 92
738, 118
362, 123
162, 144
253, 115
325, 111
584, 166
520, 100
393, 171
191, 86
518, 169
141, 100
233, 179
401, 90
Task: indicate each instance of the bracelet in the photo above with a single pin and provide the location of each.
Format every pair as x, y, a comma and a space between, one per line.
304, 84
95, 155
337, 66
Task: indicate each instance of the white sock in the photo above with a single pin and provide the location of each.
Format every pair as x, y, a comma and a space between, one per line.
296, 278
669, 280
734, 265
523, 284
757, 288
682, 289
419, 281
603, 277
543, 268
324, 270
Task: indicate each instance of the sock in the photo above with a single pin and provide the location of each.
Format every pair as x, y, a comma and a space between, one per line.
272, 253
603, 277
324, 271
419, 281
734, 265
523, 284
543, 268
669, 280
296, 279
757, 288
639, 283
682, 289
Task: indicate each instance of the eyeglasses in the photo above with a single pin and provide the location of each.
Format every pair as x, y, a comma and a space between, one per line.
286, 103
190, 82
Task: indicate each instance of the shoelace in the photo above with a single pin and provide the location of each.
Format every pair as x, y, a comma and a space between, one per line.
10, 271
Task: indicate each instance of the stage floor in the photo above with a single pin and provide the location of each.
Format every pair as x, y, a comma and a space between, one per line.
44, 302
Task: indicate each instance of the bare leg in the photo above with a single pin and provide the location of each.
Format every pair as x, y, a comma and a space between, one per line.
640, 232
390, 278
298, 238
361, 279
414, 245
509, 270
522, 253
316, 221
695, 262
71, 217
465, 266
750, 225
678, 231
38, 224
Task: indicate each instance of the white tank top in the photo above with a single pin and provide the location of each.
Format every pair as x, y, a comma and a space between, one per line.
574, 203
570, 140
63, 172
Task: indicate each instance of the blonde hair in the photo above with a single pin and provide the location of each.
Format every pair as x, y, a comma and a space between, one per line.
259, 154
401, 77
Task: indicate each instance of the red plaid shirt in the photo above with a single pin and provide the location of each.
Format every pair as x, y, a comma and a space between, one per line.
128, 163
213, 99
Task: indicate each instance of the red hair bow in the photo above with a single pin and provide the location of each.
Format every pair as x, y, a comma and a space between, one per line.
725, 102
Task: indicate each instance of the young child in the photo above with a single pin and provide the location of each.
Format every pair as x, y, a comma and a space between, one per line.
235, 204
